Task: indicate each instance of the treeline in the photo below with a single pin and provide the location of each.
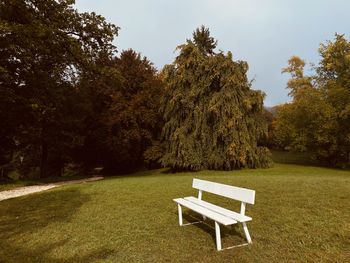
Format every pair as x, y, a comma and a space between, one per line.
317, 120
66, 98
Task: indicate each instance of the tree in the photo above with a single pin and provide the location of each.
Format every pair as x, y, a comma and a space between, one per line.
307, 124
334, 80
130, 124
213, 119
45, 45
269, 116
299, 80
317, 120
202, 39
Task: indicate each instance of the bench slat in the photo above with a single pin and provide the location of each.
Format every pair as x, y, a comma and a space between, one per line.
206, 212
238, 193
236, 216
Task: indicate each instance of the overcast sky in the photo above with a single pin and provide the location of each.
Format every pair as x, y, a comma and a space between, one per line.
265, 33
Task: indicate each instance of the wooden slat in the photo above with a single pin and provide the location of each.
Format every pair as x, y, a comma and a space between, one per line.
218, 209
241, 194
206, 212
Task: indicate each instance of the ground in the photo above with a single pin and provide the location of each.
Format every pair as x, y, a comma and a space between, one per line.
25, 190
301, 215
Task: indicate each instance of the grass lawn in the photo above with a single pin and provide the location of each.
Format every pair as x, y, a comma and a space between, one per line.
302, 214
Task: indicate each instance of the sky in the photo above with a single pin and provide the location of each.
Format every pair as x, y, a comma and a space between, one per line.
265, 33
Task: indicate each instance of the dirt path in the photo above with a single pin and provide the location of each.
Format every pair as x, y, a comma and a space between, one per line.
39, 188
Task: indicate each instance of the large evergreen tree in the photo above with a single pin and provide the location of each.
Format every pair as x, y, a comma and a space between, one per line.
213, 119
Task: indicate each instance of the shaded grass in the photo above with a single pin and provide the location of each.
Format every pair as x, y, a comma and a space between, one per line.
301, 215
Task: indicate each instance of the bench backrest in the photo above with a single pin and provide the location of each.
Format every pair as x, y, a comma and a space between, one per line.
241, 194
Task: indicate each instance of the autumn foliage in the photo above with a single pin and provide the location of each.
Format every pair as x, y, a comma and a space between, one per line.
69, 99
213, 119
318, 119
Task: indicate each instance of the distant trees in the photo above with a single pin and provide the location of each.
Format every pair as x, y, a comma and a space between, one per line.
318, 118
213, 119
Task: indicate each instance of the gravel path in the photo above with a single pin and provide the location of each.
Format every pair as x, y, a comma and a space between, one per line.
39, 188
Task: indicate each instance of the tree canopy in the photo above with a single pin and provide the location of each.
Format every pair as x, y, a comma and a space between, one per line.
45, 45
67, 97
202, 39
318, 118
213, 119
132, 122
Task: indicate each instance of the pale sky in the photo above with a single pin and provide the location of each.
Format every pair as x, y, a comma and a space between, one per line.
265, 33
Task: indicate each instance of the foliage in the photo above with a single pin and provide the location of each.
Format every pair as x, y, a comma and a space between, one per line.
296, 70
334, 80
213, 120
96, 90
202, 39
44, 46
269, 116
132, 123
307, 123
318, 120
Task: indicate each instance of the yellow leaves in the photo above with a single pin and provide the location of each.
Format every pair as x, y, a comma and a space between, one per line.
230, 124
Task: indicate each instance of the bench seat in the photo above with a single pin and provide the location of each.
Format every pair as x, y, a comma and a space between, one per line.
213, 215
228, 213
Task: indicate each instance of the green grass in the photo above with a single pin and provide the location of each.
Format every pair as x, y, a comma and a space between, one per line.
302, 214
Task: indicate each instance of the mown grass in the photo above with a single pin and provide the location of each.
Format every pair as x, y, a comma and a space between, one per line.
301, 215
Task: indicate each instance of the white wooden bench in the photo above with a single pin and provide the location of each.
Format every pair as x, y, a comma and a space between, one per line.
216, 213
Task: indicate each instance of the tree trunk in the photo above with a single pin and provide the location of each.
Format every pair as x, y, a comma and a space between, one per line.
44, 160
3, 175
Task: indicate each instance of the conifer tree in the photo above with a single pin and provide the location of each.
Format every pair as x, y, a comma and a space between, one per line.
213, 119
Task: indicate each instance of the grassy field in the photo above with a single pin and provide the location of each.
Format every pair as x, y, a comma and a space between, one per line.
301, 215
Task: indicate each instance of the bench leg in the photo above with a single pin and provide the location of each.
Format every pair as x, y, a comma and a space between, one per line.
180, 214
246, 232
218, 236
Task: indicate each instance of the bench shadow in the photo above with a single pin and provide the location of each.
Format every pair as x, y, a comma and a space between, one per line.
209, 227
